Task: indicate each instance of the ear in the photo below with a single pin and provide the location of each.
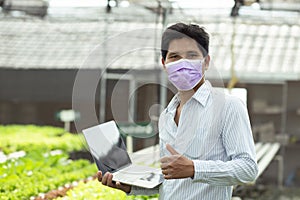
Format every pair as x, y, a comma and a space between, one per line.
206, 62
163, 63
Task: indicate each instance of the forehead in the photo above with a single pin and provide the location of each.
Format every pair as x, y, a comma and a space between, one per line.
183, 45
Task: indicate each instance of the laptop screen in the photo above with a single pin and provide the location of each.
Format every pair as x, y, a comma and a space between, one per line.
107, 147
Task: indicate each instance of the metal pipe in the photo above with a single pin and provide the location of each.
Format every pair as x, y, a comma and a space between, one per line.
279, 158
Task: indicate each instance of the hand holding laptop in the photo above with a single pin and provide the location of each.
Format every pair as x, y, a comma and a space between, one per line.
107, 180
114, 164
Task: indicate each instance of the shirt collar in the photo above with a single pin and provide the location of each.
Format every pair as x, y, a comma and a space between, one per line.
201, 95
173, 103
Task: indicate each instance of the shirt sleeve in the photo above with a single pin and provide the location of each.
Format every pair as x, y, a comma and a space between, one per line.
239, 146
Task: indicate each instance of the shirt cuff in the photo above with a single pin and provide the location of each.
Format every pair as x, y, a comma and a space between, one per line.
200, 169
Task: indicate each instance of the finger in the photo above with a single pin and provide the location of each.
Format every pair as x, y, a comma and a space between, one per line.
99, 176
104, 178
165, 172
171, 149
164, 166
167, 176
110, 181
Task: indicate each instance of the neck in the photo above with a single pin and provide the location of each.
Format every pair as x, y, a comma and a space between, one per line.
186, 95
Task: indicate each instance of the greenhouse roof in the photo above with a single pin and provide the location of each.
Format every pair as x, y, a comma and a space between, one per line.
262, 51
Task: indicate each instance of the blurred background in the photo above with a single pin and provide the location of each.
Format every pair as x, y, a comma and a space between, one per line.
254, 45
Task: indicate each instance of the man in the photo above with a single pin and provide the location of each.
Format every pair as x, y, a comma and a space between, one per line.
206, 144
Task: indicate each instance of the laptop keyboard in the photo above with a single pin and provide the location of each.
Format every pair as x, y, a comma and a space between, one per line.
135, 172
126, 177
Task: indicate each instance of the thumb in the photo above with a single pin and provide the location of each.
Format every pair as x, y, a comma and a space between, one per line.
118, 185
171, 149
124, 188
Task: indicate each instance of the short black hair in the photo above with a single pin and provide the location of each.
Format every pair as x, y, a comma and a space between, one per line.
181, 30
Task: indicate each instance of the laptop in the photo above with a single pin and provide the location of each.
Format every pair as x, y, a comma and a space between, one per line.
109, 153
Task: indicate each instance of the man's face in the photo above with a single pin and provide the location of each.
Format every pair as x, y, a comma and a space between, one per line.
186, 48
183, 48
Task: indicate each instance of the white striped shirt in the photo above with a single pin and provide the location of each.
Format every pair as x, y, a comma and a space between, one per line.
214, 131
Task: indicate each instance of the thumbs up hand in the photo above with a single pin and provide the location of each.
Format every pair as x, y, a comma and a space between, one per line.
176, 165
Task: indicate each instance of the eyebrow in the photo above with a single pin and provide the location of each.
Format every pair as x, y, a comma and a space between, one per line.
176, 52
196, 52
188, 52
172, 52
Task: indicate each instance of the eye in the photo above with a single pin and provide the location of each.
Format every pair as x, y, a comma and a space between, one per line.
193, 55
173, 56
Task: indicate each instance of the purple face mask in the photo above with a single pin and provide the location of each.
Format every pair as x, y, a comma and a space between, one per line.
185, 74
